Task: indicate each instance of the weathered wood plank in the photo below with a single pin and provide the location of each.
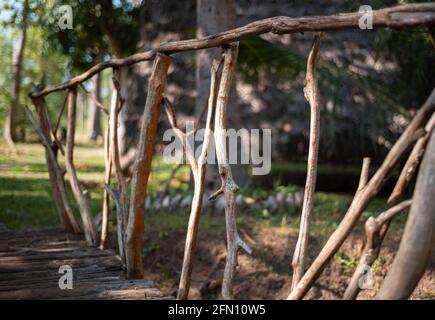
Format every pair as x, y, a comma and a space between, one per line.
30, 261
55, 264
86, 289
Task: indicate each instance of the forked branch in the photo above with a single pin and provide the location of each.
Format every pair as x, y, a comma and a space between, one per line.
376, 229
229, 187
199, 171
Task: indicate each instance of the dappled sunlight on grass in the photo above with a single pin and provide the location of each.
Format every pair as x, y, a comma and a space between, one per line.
25, 190
26, 196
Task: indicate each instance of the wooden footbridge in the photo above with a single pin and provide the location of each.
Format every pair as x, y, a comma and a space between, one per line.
30, 262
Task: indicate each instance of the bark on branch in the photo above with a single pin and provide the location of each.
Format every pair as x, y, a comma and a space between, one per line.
412, 163
408, 15
376, 229
312, 95
365, 173
83, 200
199, 171
142, 166
106, 199
121, 196
229, 187
363, 197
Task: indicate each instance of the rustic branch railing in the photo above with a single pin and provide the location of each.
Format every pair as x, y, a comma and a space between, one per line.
130, 212
409, 15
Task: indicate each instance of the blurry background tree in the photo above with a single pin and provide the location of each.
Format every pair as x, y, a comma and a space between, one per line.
17, 62
27, 57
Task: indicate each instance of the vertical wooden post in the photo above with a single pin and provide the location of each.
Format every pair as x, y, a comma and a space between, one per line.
82, 199
142, 166
312, 94
199, 173
55, 173
121, 195
106, 199
229, 187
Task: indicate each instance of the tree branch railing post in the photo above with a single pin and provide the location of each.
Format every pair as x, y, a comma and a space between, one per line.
229, 187
82, 198
142, 166
198, 168
312, 95
121, 195
105, 210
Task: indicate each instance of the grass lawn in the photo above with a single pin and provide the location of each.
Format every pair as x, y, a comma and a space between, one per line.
25, 191
26, 197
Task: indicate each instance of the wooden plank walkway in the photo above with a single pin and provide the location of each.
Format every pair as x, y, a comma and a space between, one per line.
30, 261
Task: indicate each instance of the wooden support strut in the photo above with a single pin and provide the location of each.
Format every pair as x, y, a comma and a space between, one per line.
142, 166
55, 173
82, 198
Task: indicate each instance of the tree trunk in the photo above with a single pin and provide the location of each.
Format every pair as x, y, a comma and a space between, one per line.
133, 80
214, 16
17, 63
94, 113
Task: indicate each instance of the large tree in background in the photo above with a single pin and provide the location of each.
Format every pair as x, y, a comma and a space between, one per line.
17, 63
94, 113
214, 16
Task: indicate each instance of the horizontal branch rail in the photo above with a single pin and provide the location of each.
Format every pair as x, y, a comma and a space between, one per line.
409, 15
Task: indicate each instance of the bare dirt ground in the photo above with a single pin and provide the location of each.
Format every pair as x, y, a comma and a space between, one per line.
266, 274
